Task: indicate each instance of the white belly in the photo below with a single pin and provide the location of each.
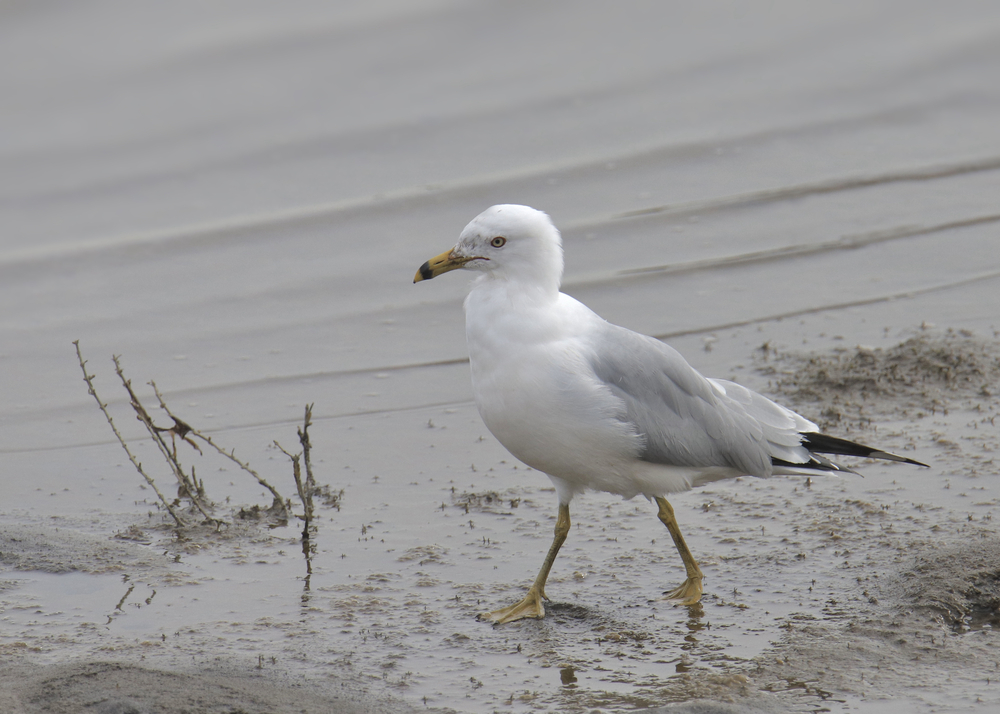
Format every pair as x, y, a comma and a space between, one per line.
539, 396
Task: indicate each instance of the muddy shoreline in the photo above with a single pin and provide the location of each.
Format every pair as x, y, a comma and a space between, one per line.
870, 585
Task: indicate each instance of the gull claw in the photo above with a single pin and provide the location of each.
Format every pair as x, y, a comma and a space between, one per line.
530, 607
688, 593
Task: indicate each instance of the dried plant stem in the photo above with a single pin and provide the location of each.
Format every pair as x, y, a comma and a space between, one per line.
306, 450
304, 495
182, 429
88, 378
188, 484
305, 489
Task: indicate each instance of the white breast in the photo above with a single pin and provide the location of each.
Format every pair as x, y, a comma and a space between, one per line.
537, 393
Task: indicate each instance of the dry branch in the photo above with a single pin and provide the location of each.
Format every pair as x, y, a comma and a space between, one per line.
188, 485
304, 494
183, 429
88, 378
306, 489
306, 450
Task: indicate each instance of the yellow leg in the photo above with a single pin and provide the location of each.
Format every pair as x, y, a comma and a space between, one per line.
531, 605
689, 593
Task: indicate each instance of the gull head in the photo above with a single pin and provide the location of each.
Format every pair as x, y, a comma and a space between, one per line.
505, 242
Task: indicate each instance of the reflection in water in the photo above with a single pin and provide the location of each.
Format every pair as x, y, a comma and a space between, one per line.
119, 608
694, 624
308, 551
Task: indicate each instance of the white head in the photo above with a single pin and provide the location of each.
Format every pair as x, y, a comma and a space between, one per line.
505, 242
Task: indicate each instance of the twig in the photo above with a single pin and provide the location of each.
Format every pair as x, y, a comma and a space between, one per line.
297, 473
88, 378
184, 429
306, 492
306, 449
169, 454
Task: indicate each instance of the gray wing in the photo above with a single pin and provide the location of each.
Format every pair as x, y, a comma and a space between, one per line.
688, 420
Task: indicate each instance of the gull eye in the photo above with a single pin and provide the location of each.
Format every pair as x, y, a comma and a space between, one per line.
498, 242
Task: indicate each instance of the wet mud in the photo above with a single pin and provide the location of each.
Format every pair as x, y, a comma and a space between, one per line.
928, 373
821, 594
924, 622
123, 688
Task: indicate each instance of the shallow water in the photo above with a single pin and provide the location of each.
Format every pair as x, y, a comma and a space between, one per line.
236, 200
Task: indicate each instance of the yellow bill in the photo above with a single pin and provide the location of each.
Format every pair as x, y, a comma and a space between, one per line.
441, 264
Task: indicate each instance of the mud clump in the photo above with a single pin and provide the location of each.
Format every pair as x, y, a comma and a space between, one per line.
959, 586
925, 374
123, 688
65, 550
939, 609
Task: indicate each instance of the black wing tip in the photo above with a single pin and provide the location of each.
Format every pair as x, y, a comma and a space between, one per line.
879, 454
825, 444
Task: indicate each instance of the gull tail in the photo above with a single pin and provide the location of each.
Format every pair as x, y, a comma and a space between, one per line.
818, 444
822, 444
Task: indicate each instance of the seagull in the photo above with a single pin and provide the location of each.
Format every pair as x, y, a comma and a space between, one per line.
596, 406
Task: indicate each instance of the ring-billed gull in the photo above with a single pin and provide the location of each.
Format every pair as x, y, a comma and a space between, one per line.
594, 405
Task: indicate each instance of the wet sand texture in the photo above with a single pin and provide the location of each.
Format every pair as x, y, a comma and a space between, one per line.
122, 688
234, 197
